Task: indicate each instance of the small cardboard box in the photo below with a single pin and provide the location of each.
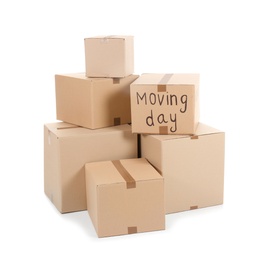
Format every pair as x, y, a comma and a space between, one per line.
124, 197
68, 147
165, 103
192, 167
109, 56
93, 103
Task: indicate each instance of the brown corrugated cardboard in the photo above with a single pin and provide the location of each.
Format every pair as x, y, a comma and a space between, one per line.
165, 103
93, 103
66, 150
192, 167
109, 56
124, 197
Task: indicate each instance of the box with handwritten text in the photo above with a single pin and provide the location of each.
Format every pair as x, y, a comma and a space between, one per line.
165, 103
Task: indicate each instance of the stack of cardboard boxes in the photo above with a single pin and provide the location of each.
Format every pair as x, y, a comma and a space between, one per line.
129, 149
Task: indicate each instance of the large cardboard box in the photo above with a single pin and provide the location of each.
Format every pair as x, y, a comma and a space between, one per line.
165, 103
68, 147
93, 103
109, 56
192, 167
124, 197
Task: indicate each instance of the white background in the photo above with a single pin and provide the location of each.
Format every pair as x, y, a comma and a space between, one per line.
221, 40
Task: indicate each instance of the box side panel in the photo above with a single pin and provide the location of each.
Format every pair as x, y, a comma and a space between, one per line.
194, 172
73, 100
196, 107
52, 181
112, 203
105, 57
112, 102
125, 211
146, 210
118, 65
86, 46
151, 150
129, 55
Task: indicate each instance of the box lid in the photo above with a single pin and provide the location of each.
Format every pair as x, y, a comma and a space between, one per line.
110, 37
201, 130
167, 79
110, 172
82, 75
62, 129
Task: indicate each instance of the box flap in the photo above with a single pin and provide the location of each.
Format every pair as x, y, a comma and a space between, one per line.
111, 172
82, 75
62, 129
168, 79
103, 173
202, 129
140, 169
110, 37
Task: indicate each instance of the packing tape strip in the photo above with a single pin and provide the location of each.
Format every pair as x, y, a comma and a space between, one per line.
117, 121
163, 130
161, 87
130, 181
116, 81
106, 38
193, 207
110, 36
132, 230
194, 137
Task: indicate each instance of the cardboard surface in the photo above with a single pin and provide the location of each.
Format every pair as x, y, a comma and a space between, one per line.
68, 147
109, 56
192, 167
165, 103
93, 103
117, 208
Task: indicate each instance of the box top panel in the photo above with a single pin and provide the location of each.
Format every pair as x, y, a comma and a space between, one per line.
202, 129
105, 37
62, 129
82, 75
111, 172
167, 79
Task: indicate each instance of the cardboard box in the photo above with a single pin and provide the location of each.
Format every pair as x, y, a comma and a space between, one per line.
192, 167
93, 103
68, 147
124, 197
165, 103
109, 56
